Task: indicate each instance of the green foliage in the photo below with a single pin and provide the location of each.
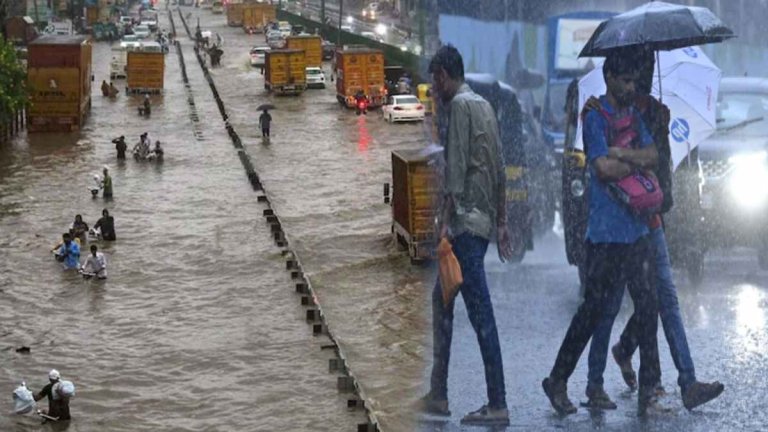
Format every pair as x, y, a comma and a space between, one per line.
13, 93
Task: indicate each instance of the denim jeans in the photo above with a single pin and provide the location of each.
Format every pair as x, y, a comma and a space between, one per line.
470, 252
671, 321
609, 268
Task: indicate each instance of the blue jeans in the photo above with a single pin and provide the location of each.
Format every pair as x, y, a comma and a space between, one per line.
671, 321
470, 252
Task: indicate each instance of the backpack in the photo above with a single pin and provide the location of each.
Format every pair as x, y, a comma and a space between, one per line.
640, 191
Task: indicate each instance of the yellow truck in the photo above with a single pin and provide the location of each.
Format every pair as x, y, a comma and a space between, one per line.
257, 15
312, 46
284, 71
359, 68
414, 200
235, 14
145, 71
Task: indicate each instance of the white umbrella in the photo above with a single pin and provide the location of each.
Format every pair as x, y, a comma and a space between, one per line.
690, 83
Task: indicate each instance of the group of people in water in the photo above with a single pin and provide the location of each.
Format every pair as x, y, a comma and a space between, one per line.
68, 251
142, 150
109, 90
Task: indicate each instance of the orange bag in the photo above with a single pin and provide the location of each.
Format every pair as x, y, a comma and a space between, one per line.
449, 271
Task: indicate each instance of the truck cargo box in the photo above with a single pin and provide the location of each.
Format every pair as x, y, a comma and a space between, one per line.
414, 201
312, 46
360, 68
284, 71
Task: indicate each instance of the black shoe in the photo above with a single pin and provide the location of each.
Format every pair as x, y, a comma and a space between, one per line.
598, 399
429, 405
486, 416
557, 392
700, 393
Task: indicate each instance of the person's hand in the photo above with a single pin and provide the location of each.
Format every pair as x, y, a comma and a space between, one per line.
615, 152
592, 103
504, 243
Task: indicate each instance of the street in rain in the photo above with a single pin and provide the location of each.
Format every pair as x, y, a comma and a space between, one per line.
387, 215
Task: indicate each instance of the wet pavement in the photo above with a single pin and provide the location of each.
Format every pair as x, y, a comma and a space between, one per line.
726, 324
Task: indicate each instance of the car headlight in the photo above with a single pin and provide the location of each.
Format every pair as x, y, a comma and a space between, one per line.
748, 182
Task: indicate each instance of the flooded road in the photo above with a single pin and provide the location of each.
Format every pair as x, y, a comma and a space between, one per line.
197, 327
324, 171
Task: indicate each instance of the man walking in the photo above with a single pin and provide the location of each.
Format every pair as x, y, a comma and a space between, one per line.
474, 206
694, 393
618, 251
264, 121
107, 184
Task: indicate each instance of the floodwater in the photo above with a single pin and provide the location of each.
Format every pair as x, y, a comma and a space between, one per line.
325, 169
198, 327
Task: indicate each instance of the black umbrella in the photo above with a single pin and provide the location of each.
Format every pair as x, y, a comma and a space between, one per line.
265, 107
657, 26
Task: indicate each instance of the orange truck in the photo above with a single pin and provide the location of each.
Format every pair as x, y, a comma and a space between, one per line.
312, 46
145, 71
235, 14
360, 68
59, 72
284, 71
257, 15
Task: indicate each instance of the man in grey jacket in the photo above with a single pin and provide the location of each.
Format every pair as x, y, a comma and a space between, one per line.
473, 209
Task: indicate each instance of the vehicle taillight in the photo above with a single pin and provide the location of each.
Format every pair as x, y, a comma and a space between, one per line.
397, 108
420, 107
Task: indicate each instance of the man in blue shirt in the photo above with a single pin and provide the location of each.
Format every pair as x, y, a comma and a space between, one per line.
618, 250
69, 253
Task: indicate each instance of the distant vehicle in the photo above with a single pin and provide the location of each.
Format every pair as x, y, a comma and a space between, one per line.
126, 20
141, 31
206, 4
403, 108
285, 28
258, 55
347, 28
371, 12
275, 40
149, 18
734, 196
329, 50
315, 77
217, 7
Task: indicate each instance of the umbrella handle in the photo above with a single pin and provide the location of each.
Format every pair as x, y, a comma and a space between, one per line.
658, 68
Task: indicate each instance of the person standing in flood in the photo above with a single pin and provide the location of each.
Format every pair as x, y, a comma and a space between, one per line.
106, 225
473, 207
121, 146
265, 120
58, 404
107, 184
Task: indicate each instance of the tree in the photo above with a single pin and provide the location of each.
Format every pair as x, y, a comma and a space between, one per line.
13, 92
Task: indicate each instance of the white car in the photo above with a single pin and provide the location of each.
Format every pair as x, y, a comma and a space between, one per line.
126, 20
142, 31
347, 28
275, 41
315, 77
403, 108
258, 55
285, 28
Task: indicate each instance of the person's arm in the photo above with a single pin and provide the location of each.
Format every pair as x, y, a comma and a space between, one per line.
98, 224
456, 157
645, 157
43, 393
607, 169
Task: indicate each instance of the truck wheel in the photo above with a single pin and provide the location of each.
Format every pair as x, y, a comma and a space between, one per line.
694, 264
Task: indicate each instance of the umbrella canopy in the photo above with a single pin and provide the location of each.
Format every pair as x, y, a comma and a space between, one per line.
657, 26
690, 83
266, 106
